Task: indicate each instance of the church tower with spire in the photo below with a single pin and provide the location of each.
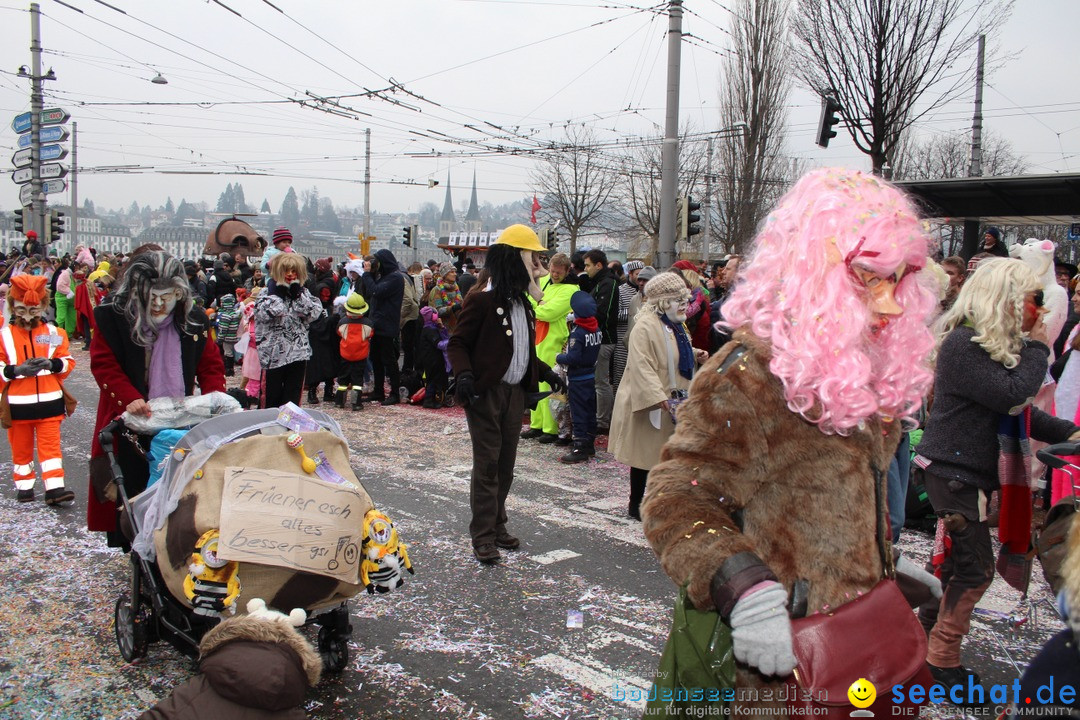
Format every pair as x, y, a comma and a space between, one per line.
472, 218
447, 223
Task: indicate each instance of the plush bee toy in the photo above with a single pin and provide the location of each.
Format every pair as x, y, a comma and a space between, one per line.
211, 585
384, 555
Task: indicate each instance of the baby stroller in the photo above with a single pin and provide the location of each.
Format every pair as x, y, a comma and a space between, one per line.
171, 520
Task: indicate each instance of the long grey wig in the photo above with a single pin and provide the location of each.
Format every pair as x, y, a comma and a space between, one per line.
152, 271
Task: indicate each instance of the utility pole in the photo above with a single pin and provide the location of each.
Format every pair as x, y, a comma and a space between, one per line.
971, 227
707, 204
36, 106
367, 184
74, 185
669, 161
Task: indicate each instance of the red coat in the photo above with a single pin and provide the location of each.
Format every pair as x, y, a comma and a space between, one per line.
119, 367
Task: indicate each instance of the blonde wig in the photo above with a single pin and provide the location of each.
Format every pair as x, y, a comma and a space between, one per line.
284, 262
991, 300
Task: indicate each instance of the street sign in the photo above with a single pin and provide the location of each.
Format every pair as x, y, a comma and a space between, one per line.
52, 170
22, 122
1074, 231
23, 175
51, 187
50, 116
22, 158
48, 135
54, 116
53, 152
26, 194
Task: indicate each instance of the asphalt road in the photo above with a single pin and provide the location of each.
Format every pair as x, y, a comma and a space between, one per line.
459, 640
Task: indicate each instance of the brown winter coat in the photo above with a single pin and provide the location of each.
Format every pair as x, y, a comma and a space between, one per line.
806, 498
744, 473
250, 669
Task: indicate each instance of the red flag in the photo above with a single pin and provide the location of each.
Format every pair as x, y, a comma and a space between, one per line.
535, 207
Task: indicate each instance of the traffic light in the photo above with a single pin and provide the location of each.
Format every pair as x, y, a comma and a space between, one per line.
19, 227
406, 234
56, 225
686, 209
552, 243
829, 108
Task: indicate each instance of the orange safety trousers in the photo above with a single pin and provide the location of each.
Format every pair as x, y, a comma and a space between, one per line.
21, 436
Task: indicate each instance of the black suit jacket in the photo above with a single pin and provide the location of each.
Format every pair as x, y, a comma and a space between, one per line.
483, 344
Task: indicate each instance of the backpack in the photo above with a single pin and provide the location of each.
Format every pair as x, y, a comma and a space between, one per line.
1051, 541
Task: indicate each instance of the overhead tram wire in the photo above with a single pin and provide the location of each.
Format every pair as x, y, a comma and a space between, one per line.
586, 70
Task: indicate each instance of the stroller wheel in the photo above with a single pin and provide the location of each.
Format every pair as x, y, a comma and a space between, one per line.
131, 631
334, 650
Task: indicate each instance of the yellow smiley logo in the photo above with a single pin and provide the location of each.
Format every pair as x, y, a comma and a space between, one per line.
862, 693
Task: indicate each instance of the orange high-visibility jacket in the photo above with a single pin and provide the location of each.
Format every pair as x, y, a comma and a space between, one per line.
37, 396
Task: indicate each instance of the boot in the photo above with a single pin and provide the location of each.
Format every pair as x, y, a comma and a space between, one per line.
329, 394
358, 401
578, 454
230, 366
339, 400
313, 395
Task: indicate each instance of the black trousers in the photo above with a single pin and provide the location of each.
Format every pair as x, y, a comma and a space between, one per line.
284, 384
410, 333
352, 374
494, 426
384, 357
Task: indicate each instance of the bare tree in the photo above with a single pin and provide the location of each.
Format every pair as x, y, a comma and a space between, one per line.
638, 200
880, 57
576, 182
948, 156
754, 88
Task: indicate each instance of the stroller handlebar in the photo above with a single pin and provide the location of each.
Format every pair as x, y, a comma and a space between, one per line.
1054, 455
107, 436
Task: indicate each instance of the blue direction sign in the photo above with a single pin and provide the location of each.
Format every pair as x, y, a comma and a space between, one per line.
53, 152
50, 116
22, 122
48, 135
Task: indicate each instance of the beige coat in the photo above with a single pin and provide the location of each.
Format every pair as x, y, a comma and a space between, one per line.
645, 384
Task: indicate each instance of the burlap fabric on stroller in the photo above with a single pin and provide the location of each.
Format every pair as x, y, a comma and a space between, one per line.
199, 510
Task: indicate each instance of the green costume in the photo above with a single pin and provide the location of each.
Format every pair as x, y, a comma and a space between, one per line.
551, 334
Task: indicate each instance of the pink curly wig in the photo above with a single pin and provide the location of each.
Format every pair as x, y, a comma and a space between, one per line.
802, 296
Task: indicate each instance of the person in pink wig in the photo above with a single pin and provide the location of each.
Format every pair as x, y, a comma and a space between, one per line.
769, 500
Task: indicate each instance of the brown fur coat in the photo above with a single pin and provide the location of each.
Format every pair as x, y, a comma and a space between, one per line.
807, 499
250, 669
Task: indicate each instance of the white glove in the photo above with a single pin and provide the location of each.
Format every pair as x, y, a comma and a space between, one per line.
761, 631
913, 571
70, 294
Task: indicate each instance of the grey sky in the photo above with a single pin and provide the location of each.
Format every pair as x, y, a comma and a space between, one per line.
526, 66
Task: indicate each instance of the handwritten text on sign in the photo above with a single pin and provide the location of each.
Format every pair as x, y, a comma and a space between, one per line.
292, 521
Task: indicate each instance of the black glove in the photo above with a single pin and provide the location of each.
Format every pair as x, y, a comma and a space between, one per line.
465, 392
295, 289
552, 378
281, 291
456, 307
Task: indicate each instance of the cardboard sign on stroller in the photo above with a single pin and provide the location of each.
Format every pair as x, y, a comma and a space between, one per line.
291, 521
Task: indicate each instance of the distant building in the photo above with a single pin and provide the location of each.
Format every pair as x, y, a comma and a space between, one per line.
473, 223
186, 243
447, 223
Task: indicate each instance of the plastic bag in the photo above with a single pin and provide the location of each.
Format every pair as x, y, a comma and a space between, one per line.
168, 413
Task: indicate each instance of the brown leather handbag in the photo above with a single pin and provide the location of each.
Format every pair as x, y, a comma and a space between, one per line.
70, 401
5, 408
876, 637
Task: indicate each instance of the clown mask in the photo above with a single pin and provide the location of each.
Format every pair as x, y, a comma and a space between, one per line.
162, 303
676, 310
26, 316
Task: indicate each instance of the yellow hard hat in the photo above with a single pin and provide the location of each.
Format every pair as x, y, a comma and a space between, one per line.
522, 237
